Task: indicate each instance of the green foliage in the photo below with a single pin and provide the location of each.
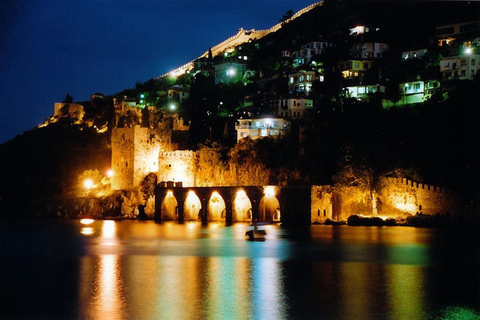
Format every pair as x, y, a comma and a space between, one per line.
147, 186
68, 98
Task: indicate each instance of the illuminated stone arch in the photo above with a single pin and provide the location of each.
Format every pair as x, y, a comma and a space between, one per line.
269, 206
242, 207
193, 207
216, 209
169, 207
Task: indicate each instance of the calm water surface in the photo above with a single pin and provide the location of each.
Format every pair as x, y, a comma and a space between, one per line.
142, 270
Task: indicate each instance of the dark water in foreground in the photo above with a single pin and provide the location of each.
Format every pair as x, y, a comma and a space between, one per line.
142, 270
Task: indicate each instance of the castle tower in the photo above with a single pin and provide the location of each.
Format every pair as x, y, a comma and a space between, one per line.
135, 154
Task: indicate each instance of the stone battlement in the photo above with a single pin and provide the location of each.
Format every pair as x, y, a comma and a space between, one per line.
177, 154
417, 185
242, 36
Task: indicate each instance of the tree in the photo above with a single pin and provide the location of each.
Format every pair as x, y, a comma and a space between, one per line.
288, 15
68, 98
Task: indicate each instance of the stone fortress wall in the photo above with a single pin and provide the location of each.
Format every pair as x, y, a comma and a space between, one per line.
242, 36
177, 166
400, 194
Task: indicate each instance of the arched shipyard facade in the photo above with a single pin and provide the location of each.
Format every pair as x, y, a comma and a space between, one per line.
304, 205
289, 205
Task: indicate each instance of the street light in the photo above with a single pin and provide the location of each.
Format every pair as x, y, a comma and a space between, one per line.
88, 184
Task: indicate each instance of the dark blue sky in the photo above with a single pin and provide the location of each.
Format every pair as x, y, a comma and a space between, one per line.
49, 48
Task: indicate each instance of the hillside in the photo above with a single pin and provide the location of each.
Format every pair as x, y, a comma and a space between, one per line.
343, 141
44, 164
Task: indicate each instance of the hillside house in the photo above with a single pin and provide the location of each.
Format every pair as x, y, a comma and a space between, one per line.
353, 69
363, 92
462, 67
308, 51
261, 127
413, 54
177, 94
293, 107
301, 82
417, 91
368, 50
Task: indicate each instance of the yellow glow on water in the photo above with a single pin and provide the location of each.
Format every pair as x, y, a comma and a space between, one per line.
405, 287
108, 229
86, 221
108, 233
87, 231
109, 295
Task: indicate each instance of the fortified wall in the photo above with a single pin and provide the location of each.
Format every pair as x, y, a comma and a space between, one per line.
242, 36
321, 204
177, 166
403, 195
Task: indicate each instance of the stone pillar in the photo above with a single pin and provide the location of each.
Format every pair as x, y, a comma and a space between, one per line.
204, 196
227, 194
180, 196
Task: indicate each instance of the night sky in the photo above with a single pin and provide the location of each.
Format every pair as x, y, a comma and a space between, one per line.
49, 48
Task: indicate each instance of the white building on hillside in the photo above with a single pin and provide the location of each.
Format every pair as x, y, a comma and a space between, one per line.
293, 108
463, 67
413, 54
362, 92
261, 127
369, 50
417, 91
301, 81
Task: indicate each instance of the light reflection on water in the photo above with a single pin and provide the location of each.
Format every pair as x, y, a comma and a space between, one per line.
143, 270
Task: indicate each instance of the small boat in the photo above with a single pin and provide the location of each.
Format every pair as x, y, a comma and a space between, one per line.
256, 234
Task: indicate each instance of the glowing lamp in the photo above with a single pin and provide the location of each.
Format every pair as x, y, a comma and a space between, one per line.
88, 184
269, 191
110, 173
231, 72
468, 51
172, 107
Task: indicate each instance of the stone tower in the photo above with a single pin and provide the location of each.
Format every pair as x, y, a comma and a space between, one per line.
135, 153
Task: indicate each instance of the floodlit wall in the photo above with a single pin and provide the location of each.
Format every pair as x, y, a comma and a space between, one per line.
400, 195
321, 207
242, 36
177, 166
